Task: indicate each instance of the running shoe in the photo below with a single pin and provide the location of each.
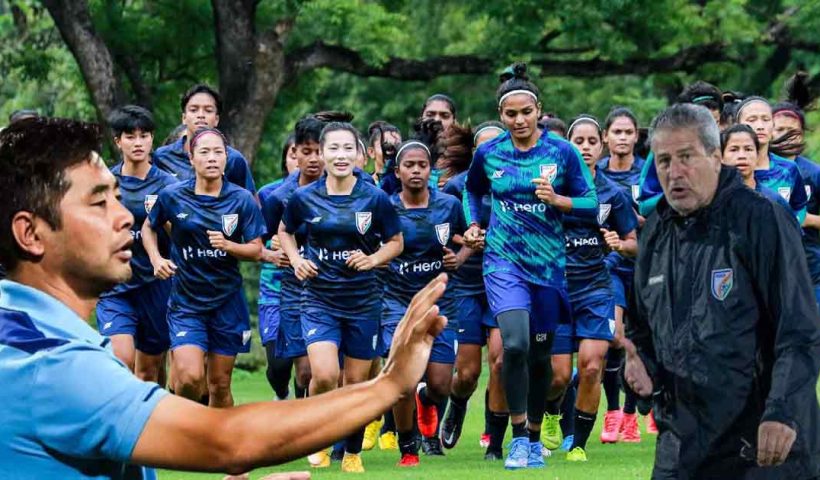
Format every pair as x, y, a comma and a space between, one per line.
566, 445
612, 425
337, 455
320, 459
493, 455
551, 431
408, 460
630, 432
651, 426
484, 441
371, 434
577, 454
427, 415
519, 454
452, 425
545, 452
432, 447
352, 463
388, 441
535, 459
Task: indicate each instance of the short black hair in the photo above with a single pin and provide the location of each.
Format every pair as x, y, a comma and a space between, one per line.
34, 156
518, 80
618, 112
702, 93
556, 126
131, 118
737, 128
289, 142
343, 126
201, 88
308, 129
379, 127
441, 98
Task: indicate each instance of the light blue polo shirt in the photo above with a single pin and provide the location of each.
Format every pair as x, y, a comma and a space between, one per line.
71, 410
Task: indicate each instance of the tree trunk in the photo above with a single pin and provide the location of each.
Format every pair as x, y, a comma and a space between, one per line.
251, 71
73, 20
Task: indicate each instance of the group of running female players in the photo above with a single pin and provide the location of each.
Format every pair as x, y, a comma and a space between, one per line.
535, 226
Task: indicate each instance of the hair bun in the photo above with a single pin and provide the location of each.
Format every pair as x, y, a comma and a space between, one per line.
520, 71
328, 116
797, 90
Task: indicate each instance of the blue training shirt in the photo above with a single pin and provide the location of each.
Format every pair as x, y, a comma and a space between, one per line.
467, 280
270, 276
205, 276
139, 197
426, 232
629, 181
810, 172
586, 269
175, 160
524, 231
71, 410
338, 225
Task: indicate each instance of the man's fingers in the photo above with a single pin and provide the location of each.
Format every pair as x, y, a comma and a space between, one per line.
287, 476
764, 447
428, 295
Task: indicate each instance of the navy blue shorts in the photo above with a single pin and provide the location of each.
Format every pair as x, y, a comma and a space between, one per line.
547, 306
445, 345
474, 319
817, 295
289, 341
564, 342
269, 322
621, 286
141, 313
224, 330
356, 337
594, 317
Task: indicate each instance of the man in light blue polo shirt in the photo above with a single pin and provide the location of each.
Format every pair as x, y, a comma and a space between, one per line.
71, 410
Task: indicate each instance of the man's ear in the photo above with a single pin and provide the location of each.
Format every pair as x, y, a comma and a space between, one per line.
25, 228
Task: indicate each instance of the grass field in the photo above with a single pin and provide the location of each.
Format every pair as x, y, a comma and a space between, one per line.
621, 461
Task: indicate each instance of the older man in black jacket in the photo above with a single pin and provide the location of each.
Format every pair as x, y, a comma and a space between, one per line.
727, 332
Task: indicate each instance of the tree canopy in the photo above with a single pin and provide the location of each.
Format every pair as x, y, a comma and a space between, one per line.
274, 61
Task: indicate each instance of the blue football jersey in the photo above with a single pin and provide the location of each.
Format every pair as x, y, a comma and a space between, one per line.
783, 177
629, 181
139, 197
810, 172
206, 277
270, 276
468, 280
586, 271
426, 232
337, 226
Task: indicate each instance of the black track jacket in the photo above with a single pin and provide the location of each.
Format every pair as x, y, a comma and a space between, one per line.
727, 324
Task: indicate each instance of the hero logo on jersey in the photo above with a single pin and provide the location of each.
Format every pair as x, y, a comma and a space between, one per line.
443, 233
603, 212
229, 223
149, 202
636, 192
785, 192
363, 221
722, 282
550, 171
808, 192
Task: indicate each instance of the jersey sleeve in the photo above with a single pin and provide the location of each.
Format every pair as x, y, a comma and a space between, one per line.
86, 404
295, 213
623, 216
160, 212
389, 224
238, 171
651, 191
579, 185
272, 210
253, 223
476, 186
798, 200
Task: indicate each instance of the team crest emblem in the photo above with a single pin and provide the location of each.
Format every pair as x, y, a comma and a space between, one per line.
603, 212
722, 282
785, 192
149, 202
363, 221
550, 171
443, 233
636, 192
229, 223
808, 192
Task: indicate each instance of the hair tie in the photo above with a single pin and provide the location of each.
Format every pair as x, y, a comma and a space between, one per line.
413, 143
703, 98
516, 92
484, 129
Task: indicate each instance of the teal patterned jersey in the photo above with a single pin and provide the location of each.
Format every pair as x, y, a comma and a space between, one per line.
526, 235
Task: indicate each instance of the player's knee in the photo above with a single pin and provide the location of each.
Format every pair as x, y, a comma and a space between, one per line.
189, 379
324, 381
468, 375
438, 390
560, 379
496, 364
590, 370
516, 348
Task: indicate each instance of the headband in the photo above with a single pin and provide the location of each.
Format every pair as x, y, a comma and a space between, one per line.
484, 129
583, 119
789, 113
410, 144
703, 98
204, 131
746, 102
516, 92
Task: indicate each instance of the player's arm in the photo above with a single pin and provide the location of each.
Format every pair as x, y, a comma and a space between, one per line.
249, 252
163, 267
183, 435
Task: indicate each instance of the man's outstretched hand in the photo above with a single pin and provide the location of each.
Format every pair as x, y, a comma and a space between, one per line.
414, 337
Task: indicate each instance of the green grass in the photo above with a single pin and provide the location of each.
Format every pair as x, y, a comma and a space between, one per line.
621, 461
